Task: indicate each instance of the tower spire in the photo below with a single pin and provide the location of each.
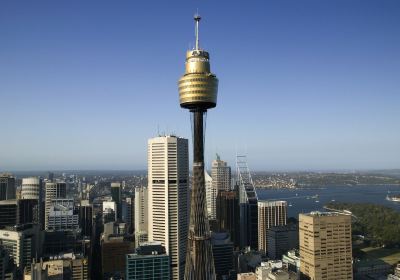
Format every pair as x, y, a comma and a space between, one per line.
197, 19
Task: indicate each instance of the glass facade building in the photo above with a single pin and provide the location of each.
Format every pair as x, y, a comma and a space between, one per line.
148, 263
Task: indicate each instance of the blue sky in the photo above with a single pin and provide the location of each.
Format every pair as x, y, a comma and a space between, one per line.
304, 85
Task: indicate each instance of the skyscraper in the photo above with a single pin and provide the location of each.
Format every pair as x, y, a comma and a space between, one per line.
168, 177
18, 211
31, 188
109, 211
198, 89
282, 239
247, 204
325, 245
7, 186
228, 214
222, 253
22, 243
62, 215
221, 175
270, 214
141, 215
52, 191
116, 197
128, 212
150, 262
86, 218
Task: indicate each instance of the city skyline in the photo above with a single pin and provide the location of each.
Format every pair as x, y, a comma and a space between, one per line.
304, 86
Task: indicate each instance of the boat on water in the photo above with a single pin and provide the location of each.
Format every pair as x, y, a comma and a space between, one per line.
317, 201
395, 198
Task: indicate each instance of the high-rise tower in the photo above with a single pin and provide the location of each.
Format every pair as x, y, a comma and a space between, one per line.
325, 246
168, 179
198, 89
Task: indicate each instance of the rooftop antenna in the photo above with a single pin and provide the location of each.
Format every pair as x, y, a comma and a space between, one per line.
197, 19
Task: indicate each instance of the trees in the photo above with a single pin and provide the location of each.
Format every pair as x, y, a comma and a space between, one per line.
378, 223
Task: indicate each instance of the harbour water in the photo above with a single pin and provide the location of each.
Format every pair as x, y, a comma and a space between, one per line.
307, 200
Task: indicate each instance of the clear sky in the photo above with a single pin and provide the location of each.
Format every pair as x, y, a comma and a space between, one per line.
304, 84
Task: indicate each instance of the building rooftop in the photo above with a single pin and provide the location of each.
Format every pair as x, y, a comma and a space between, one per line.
325, 214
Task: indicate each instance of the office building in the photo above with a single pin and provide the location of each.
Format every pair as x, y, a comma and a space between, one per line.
7, 186
211, 196
247, 276
248, 206
150, 262
58, 267
86, 218
228, 214
36, 271
31, 188
21, 211
270, 214
63, 215
53, 191
65, 241
4, 262
115, 245
141, 215
128, 212
396, 274
281, 239
222, 248
221, 175
50, 176
292, 260
168, 167
325, 246
8, 212
117, 198
22, 243
109, 211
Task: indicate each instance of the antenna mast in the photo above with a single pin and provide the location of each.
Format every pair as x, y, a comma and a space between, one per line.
197, 19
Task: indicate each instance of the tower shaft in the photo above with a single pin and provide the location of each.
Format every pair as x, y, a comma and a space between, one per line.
199, 257
198, 89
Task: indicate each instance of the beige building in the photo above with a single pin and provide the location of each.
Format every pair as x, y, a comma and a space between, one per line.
270, 214
325, 246
221, 175
247, 276
141, 215
52, 191
31, 188
168, 185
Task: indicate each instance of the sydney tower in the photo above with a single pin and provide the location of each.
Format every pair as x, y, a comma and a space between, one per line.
198, 89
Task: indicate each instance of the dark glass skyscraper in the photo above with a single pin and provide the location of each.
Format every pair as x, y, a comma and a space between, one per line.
116, 197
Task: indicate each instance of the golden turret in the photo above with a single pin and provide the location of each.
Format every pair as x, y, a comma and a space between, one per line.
198, 87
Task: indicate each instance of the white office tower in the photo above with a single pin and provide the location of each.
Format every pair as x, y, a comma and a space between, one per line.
22, 243
141, 215
168, 167
53, 191
211, 197
31, 188
221, 175
63, 215
270, 214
